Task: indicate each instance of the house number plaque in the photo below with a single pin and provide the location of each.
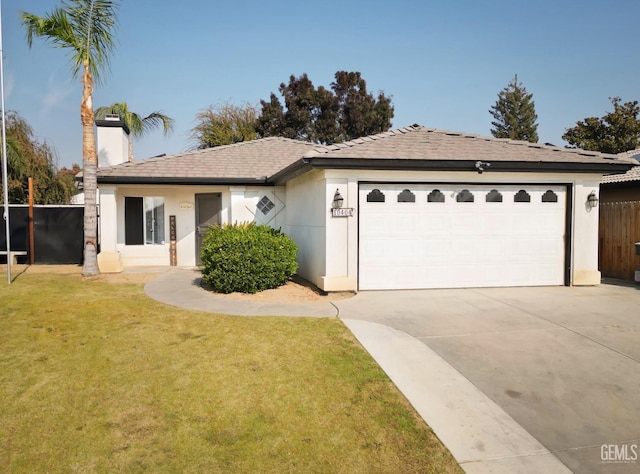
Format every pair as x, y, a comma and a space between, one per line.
342, 212
173, 254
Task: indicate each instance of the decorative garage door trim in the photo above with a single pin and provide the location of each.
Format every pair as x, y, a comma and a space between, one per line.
448, 235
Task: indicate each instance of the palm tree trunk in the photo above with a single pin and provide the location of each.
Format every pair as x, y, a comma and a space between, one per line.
130, 148
89, 177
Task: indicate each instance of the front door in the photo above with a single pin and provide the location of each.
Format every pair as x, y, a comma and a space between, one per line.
208, 208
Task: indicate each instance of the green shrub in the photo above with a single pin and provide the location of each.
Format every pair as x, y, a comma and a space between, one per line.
247, 258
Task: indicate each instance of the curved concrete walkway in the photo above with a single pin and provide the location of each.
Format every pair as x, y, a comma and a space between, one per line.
481, 436
181, 287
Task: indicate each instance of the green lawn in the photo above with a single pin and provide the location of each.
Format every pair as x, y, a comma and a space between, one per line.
97, 377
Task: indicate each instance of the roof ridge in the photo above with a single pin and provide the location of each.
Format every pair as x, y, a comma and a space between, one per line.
197, 151
629, 153
541, 146
249, 142
323, 149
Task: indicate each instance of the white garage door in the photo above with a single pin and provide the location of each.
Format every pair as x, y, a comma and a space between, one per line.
456, 236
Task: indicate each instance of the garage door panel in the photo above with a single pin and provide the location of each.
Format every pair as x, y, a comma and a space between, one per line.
437, 223
463, 250
466, 222
405, 251
405, 223
494, 273
491, 223
374, 251
492, 250
434, 250
451, 244
373, 224
375, 276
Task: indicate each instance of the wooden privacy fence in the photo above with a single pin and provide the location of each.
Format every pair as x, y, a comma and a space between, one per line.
619, 231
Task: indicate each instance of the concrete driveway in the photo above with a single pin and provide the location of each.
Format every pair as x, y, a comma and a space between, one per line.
515, 379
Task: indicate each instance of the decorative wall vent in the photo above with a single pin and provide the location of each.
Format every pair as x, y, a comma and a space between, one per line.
406, 196
375, 196
465, 196
522, 196
265, 205
494, 196
549, 196
435, 196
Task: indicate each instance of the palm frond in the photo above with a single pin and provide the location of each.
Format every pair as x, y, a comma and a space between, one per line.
158, 119
95, 24
137, 125
55, 29
84, 27
117, 108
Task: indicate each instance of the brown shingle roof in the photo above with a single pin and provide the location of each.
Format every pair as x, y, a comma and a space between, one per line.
421, 143
632, 175
251, 160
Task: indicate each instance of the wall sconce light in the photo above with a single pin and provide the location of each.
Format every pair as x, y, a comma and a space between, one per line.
592, 199
338, 200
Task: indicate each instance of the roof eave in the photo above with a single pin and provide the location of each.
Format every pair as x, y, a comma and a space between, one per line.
294, 169
113, 124
306, 164
621, 184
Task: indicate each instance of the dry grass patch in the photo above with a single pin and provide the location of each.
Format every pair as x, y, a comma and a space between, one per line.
96, 377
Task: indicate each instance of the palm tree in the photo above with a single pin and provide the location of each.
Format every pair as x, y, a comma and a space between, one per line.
137, 125
85, 28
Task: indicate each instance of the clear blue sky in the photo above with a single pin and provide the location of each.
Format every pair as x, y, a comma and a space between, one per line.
443, 62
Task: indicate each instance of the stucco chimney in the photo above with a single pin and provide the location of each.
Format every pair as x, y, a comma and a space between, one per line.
112, 137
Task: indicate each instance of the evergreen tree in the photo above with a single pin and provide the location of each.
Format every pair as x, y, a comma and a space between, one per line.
515, 114
344, 112
271, 119
615, 132
359, 112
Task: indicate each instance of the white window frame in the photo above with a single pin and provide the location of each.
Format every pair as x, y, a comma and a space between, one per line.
151, 223
154, 228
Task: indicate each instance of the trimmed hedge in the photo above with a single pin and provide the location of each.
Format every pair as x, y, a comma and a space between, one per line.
247, 258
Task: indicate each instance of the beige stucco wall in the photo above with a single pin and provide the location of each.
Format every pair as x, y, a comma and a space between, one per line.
238, 205
585, 233
113, 146
306, 222
329, 245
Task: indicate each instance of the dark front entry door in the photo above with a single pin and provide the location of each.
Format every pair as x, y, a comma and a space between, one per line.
208, 207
